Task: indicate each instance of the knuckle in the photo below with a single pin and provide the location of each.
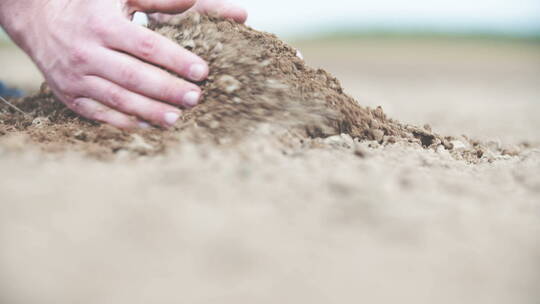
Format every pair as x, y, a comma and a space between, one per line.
116, 98
66, 81
97, 113
99, 26
73, 80
82, 107
147, 46
129, 76
78, 56
86, 108
76, 104
67, 85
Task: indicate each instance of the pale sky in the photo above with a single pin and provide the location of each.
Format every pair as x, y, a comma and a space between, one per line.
287, 17
298, 17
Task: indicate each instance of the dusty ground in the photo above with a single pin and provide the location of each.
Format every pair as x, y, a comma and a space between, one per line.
264, 223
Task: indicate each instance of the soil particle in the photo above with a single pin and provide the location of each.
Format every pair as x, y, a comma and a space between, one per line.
511, 151
375, 134
256, 80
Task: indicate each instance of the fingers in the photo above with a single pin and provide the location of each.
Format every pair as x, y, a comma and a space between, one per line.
94, 110
145, 79
223, 9
120, 99
156, 49
159, 17
211, 7
162, 6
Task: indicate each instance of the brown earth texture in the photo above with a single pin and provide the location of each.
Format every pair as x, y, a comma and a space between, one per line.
278, 187
256, 80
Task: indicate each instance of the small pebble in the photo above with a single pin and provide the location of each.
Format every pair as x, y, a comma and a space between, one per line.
376, 134
511, 151
360, 152
458, 145
440, 149
40, 122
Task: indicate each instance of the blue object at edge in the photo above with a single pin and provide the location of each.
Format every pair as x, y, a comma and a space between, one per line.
9, 92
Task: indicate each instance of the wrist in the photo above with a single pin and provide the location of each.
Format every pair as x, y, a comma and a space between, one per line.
16, 18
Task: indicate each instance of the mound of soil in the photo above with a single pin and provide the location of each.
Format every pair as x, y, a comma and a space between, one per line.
256, 80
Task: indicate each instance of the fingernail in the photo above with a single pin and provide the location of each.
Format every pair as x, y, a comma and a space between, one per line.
197, 72
144, 125
171, 118
192, 98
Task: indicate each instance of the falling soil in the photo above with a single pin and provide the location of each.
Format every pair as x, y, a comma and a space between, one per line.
256, 81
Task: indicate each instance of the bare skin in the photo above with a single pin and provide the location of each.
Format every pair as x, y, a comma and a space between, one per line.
101, 65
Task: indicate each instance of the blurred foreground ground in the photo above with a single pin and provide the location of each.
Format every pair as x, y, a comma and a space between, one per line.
261, 225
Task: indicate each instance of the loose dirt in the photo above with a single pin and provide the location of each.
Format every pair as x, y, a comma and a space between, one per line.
256, 81
293, 192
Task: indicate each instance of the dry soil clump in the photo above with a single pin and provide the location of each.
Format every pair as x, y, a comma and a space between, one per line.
256, 81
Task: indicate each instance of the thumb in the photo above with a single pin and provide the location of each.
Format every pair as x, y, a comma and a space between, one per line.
161, 6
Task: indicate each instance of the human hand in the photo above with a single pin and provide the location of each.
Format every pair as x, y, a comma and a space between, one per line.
220, 8
102, 66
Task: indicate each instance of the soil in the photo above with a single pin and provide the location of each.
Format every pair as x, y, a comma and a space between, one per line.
272, 201
256, 81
